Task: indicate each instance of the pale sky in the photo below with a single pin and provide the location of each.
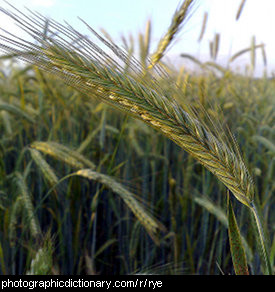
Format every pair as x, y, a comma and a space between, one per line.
124, 17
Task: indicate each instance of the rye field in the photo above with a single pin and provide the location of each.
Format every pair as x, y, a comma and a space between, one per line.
114, 163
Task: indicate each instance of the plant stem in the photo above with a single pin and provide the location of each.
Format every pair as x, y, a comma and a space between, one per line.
262, 238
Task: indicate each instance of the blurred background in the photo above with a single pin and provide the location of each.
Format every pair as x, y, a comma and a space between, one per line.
123, 17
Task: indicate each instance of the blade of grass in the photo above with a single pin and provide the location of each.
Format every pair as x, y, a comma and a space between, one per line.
236, 246
263, 242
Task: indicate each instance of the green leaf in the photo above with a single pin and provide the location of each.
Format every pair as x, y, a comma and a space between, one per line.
264, 141
2, 261
236, 246
105, 246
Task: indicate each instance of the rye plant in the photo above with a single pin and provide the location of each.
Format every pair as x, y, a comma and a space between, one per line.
100, 69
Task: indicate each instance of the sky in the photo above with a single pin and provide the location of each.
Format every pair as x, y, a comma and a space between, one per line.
125, 17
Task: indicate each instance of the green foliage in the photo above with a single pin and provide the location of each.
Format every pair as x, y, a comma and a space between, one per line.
236, 246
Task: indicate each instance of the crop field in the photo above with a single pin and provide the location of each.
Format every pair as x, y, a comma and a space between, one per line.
114, 163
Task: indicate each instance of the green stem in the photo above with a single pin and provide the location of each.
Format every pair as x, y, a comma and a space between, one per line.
262, 238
